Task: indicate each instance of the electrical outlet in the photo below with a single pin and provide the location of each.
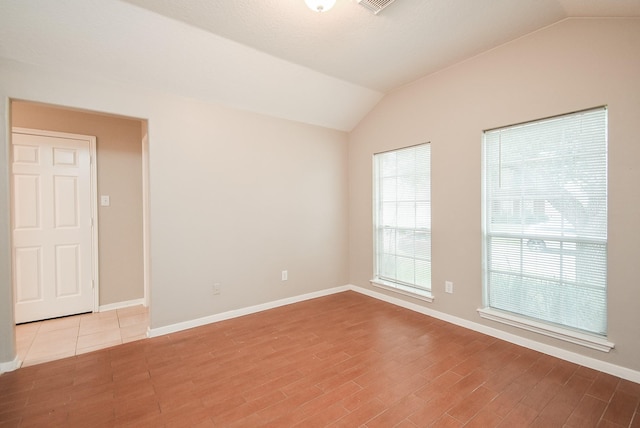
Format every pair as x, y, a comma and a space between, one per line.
448, 287
285, 275
216, 288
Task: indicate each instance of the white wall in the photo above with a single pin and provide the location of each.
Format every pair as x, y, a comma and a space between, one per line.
573, 65
235, 197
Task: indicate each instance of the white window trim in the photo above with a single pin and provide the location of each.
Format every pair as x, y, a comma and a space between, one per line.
590, 341
416, 293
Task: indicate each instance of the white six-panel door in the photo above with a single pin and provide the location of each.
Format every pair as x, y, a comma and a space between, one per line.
52, 225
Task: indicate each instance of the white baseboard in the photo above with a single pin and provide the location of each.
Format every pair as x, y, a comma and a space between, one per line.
10, 365
593, 363
121, 305
154, 332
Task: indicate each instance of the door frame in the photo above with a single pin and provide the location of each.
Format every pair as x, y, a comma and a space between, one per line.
93, 174
146, 230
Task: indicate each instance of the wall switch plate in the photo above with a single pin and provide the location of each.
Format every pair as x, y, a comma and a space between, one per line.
216, 288
448, 287
285, 275
105, 200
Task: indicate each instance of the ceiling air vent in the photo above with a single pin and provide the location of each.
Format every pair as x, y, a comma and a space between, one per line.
375, 6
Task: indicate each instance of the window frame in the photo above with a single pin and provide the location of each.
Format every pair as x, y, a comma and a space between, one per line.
563, 332
380, 281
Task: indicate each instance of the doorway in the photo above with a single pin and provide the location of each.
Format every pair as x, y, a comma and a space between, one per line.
122, 211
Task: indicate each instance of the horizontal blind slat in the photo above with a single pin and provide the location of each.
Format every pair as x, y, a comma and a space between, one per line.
546, 210
403, 216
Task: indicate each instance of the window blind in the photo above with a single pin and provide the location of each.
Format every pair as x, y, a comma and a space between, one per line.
545, 232
402, 217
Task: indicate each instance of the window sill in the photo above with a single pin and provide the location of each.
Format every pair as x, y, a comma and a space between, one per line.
402, 289
582, 339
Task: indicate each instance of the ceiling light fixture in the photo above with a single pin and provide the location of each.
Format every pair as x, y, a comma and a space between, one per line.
320, 5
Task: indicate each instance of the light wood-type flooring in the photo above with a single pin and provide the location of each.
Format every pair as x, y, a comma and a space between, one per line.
344, 360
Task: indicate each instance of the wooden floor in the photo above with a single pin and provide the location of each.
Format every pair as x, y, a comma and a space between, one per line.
344, 360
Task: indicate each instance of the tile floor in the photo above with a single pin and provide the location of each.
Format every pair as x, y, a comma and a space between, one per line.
344, 360
50, 340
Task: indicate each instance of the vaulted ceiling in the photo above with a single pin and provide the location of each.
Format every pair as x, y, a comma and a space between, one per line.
275, 57
405, 41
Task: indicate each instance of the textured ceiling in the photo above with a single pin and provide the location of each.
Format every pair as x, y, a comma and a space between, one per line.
274, 57
116, 41
407, 40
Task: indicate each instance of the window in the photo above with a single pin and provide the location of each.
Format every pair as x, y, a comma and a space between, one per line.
545, 214
402, 220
